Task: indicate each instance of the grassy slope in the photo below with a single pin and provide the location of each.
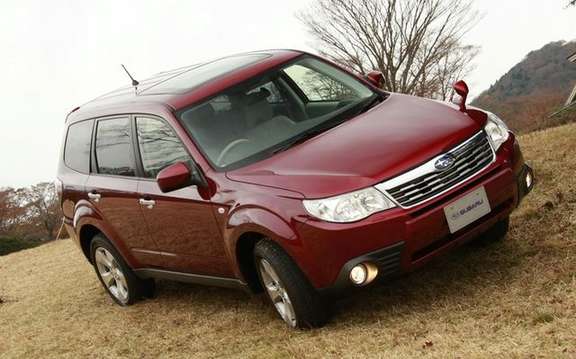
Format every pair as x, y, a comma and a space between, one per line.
511, 299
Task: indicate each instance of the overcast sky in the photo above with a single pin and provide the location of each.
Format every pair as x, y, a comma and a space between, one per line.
59, 54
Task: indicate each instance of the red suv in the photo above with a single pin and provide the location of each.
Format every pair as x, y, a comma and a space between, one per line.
279, 171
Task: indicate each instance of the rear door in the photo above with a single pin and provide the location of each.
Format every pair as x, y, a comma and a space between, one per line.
113, 188
181, 222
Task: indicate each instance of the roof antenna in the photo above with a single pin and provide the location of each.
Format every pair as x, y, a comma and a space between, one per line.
134, 82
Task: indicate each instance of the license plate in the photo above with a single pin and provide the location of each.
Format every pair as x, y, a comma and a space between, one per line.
467, 209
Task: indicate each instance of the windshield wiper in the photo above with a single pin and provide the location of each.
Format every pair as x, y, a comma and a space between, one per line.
306, 135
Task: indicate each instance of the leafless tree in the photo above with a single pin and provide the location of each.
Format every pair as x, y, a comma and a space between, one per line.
9, 210
416, 44
41, 213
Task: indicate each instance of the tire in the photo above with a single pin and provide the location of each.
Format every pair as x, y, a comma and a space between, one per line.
496, 233
289, 289
123, 286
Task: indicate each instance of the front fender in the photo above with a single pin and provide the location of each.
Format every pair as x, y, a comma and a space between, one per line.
272, 226
264, 222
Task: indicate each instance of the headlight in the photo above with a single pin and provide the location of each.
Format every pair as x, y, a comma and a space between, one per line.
497, 130
349, 207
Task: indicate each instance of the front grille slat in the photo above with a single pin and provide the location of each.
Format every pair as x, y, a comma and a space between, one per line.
454, 178
461, 161
431, 194
470, 157
458, 167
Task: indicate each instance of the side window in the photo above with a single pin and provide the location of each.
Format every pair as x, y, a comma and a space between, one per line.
159, 146
319, 86
113, 147
77, 148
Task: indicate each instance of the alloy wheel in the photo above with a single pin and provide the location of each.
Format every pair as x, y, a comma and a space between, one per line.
277, 293
111, 274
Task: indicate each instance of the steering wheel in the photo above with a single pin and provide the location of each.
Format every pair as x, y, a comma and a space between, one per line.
228, 148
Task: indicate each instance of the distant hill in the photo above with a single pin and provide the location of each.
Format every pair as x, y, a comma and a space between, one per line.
534, 88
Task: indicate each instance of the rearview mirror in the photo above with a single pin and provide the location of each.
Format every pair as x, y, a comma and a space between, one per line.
461, 88
375, 78
177, 176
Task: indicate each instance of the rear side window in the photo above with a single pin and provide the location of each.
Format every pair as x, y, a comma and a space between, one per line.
77, 149
114, 154
159, 146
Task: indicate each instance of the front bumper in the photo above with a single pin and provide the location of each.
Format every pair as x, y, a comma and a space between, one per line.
401, 240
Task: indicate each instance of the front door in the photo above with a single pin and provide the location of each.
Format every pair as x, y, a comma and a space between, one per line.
181, 223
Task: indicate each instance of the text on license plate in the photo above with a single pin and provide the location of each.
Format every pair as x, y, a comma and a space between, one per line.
467, 209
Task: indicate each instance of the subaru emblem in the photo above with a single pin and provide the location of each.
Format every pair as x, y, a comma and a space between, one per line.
444, 162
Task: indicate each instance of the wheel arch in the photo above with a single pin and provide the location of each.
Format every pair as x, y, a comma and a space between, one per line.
245, 259
248, 226
86, 235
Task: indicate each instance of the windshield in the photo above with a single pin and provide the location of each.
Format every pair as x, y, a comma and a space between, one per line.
247, 123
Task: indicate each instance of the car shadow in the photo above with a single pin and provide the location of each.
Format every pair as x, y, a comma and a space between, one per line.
450, 279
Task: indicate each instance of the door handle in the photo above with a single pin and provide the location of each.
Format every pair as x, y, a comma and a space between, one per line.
94, 196
149, 203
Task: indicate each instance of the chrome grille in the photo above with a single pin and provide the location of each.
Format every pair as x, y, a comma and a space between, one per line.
426, 182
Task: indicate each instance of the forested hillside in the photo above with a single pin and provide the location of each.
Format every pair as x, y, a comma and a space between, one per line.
534, 88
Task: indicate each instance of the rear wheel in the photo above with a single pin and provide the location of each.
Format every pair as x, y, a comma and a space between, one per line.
293, 297
117, 278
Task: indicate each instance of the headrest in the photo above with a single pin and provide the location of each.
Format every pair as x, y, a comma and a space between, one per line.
258, 96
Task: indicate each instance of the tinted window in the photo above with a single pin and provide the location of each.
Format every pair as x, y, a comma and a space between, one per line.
113, 148
274, 94
320, 82
253, 120
77, 149
159, 146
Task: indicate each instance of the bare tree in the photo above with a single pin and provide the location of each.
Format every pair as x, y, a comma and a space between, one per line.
41, 212
9, 210
416, 44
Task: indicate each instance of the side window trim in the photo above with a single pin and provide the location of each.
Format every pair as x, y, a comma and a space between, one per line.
93, 157
136, 145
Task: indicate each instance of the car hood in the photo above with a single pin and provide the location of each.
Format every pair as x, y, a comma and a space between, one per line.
398, 134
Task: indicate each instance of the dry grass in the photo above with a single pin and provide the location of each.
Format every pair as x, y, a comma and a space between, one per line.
514, 299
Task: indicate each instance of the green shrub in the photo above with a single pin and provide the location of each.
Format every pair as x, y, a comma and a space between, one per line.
11, 244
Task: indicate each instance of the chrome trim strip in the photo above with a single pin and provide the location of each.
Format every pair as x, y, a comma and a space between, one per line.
428, 168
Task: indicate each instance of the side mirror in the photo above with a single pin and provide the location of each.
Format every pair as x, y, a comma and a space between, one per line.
461, 88
375, 78
177, 176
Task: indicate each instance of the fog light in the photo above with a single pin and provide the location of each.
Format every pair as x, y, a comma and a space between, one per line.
529, 179
358, 274
363, 273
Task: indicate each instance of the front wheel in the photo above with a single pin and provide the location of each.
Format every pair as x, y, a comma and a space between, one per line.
293, 297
